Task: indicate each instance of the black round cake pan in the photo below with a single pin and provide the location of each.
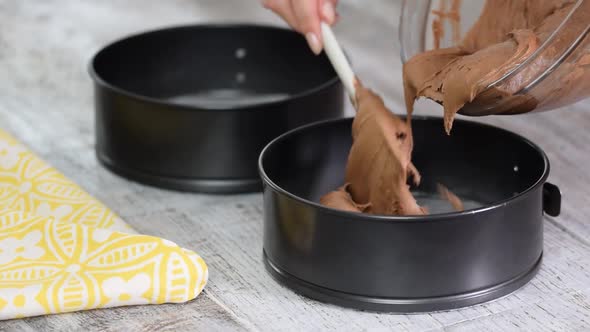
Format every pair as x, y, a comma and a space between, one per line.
441, 261
191, 107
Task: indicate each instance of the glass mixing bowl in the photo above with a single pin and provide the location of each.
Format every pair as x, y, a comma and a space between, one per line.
552, 81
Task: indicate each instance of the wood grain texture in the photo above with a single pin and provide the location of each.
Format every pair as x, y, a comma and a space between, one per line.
46, 102
201, 314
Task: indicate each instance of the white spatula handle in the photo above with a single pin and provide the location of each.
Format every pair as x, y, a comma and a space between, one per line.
338, 60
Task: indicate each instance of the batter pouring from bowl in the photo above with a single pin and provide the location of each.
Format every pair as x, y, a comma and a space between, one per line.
499, 67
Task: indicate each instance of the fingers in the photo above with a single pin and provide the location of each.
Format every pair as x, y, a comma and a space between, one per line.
307, 13
284, 10
328, 11
305, 16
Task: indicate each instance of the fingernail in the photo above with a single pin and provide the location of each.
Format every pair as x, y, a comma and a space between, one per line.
314, 42
329, 12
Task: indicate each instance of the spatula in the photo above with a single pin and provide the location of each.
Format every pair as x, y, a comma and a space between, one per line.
338, 60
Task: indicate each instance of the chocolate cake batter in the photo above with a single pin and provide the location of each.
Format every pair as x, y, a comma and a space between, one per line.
446, 194
379, 163
490, 71
485, 69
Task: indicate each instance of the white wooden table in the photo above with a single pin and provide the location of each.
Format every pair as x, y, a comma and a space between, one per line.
46, 101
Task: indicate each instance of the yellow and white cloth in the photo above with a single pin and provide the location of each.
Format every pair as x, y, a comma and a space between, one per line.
61, 250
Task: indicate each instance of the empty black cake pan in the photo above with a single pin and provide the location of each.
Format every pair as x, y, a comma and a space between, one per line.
191, 107
440, 261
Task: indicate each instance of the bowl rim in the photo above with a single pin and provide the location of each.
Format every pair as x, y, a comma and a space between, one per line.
410, 218
100, 81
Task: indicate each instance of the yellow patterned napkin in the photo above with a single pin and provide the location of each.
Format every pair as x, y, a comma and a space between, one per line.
61, 250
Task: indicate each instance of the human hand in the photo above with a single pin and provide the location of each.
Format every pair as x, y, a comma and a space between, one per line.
305, 17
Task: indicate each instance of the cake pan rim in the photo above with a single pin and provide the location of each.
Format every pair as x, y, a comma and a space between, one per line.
100, 81
411, 218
